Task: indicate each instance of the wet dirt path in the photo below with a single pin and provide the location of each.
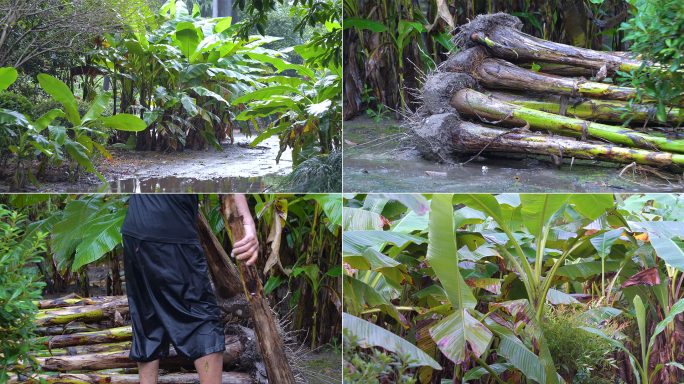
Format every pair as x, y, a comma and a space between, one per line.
390, 164
237, 168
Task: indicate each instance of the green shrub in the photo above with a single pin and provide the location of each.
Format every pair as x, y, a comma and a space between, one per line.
83, 107
322, 173
656, 32
375, 366
14, 102
19, 285
578, 354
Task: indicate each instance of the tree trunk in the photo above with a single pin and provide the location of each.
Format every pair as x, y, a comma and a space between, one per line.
223, 8
109, 360
587, 109
476, 105
559, 69
174, 378
116, 275
510, 44
277, 365
223, 272
85, 349
472, 138
497, 73
85, 313
113, 335
72, 328
71, 302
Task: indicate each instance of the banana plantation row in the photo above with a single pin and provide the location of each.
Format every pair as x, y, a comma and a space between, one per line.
477, 288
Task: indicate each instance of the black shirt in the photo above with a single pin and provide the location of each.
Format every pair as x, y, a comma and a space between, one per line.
165, 218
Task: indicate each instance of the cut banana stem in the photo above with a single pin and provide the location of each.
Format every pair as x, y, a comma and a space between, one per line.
589, 109
497, 73
471, 138
488, 109
511, 44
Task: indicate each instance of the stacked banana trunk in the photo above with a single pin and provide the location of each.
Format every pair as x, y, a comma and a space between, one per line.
553, 108
87, 341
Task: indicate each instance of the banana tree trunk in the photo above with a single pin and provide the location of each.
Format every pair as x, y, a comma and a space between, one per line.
277, 365
559, 69
588, 109
109, 360
497, 73
476, 105
472, 138
72, 328
113, 335
83, 313
71, 302
93, 378
85, 349
510, 44
222, 271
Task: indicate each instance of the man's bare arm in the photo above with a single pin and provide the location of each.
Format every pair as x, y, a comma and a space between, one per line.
248, 247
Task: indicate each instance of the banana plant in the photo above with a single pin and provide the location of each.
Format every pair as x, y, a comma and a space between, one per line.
185, 73
307, 108
75, 140
641, 369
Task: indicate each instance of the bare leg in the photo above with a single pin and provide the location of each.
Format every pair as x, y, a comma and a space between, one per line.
148, 372
210, 368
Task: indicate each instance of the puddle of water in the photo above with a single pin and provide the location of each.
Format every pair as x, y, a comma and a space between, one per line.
183, 185
396, 167
362, 175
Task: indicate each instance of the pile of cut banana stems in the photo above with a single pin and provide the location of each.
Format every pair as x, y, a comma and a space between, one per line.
585, 118
87, 340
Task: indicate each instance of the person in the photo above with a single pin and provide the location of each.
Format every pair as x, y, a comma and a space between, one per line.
169, 293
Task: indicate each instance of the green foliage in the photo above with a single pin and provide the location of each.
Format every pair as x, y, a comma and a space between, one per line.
86, 229
656, 33
319, 173
367, 97
307, 110
374, 366
518, 257
55, 143
19, 286
13, 102
282, 23
584, 357
16, 102
308, 13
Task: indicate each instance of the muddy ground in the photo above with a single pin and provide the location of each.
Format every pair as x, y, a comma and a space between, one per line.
391, 164
237, 168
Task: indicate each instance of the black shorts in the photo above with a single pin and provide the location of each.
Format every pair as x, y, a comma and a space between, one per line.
171, 300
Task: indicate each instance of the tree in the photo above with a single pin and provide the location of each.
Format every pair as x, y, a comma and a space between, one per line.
223, 8
30, 29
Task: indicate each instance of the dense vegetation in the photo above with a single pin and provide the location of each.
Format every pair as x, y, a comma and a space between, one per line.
513, 288
52, 243
167, 78
390, 45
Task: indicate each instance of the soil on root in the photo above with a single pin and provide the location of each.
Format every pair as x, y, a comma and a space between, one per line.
238, 168
392, 164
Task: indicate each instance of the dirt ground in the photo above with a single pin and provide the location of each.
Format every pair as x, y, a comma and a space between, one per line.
379, 157
237, 168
